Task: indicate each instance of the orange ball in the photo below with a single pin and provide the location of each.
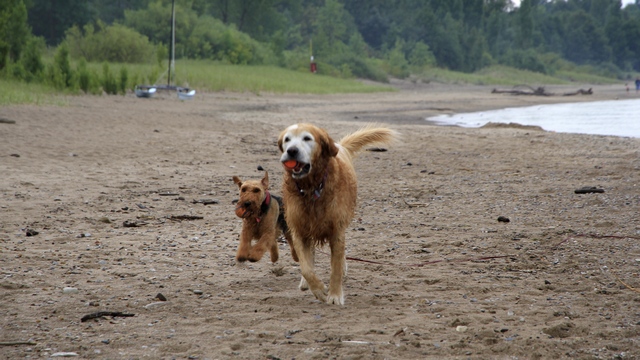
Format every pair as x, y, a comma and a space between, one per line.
241, 212
290, 164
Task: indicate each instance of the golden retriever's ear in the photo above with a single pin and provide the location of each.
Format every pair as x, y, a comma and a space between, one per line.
237, 181
265, 180
280, 141
327, 144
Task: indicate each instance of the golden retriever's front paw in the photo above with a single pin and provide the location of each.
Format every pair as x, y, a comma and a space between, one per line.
320, 294
304, 285
335, 299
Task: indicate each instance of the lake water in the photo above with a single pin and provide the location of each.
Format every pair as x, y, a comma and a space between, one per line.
615, 117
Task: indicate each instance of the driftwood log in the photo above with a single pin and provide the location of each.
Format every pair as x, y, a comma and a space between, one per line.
539, 91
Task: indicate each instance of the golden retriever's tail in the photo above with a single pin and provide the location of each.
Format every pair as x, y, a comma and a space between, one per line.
368, 135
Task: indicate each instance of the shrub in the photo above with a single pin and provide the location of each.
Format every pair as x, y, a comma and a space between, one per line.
397, 64
109, 84
360, 67
525, 60
59, 74
31, 59
421, 56
114, 43
124, 77
87, 79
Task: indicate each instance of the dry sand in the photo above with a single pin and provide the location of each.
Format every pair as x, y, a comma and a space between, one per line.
450, 281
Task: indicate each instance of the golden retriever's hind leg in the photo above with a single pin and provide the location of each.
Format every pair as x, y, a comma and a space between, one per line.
304, 285
306, 255
294, 255
338, 268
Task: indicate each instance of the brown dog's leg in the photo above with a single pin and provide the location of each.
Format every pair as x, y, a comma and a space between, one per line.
264, 243
306, 257
244, 247
274, 249
338, 267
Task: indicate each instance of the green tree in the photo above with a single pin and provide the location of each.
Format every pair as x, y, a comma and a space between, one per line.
31, 58
14, 30
50, 19
585, 42
525, 24
332, 29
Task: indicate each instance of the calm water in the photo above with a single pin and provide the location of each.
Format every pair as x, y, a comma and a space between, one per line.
616, 117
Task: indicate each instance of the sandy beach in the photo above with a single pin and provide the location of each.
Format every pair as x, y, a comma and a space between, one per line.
102, 209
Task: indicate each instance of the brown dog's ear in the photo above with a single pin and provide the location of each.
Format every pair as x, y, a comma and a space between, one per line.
237, 181
265, 180
327, 144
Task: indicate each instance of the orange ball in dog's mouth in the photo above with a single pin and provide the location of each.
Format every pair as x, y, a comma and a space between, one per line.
241, 212
290, 164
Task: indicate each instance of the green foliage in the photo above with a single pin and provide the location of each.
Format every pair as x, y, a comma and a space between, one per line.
525, 60
109, 83
50, 19
162, 54
421, 56
122, 83
333, 28
115, 43
59, 73
88, 80
351, 38
18, 92
14, 31
350, 65
397, 64
208, 76
31, 59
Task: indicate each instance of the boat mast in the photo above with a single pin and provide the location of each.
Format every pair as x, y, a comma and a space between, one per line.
172, 50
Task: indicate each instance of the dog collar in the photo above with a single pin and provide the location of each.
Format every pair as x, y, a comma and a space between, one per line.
317, 191
265, 205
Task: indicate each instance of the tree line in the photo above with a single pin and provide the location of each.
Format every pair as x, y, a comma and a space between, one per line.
363, 38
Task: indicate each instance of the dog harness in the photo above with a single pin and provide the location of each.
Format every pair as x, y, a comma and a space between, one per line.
264, 207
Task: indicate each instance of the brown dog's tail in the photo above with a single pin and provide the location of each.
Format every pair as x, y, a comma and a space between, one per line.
368, 135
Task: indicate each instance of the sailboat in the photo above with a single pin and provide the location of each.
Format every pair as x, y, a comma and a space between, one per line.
147, 91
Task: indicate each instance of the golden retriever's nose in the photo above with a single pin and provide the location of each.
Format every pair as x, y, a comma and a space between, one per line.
292, 151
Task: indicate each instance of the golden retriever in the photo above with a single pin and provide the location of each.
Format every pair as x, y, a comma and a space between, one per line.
320, 191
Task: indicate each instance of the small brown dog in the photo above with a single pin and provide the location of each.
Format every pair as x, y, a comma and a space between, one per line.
263, 219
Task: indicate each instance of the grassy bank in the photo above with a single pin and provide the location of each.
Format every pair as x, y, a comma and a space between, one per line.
507, 76
208, 76
15, 92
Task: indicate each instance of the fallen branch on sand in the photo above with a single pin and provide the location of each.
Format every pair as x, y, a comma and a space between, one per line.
100, 314
185, 217
11, 343
415, 204
540, 91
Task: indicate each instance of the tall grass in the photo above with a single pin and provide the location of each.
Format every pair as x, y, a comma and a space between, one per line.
15, 92
209, 76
